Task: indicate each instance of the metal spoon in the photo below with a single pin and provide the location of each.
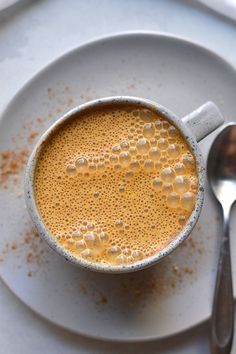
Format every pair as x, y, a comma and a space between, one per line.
221, 171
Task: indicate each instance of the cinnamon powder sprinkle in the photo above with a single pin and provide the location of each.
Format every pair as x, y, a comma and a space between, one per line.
32, 136
29, 250
102, 300
32, 240
12, 163
13, 246
174, 272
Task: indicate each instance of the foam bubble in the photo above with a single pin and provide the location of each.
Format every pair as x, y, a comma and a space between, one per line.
168, 174
137, 255
194, 183
154, 153
182, 220
126, 251
163, 160
90, 226
113, 251
80, 245
122, 189
158, 165
116, 149
71, 170
162, 144
114, 159
129, 174
188, 201
148, 165
83, 229
148, 130
133, 150
174, 151
124, 145
157, 184
165, 124
146, 115
95, 159
91, 239
171, 140
77, 234
172, 131
188, 160
117, 167
70, 242
134, 165
87, 253
158, 124
121, 259
101, 166
181, 184
153, 141
173, 200
92, 167
163, 133
167, 188
143, 146
81, 164
104, 238
179, 168
119, 223
125, 158
132, 143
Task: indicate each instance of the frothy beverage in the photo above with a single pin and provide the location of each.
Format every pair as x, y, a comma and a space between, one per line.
116, 184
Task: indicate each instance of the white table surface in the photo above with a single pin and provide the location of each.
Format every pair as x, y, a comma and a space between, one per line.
32, 34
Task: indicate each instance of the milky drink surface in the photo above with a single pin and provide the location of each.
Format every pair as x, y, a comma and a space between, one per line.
115, 185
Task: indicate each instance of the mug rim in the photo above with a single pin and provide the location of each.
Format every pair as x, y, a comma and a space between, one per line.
102, 102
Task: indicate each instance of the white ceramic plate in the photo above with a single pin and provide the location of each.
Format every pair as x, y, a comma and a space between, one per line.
163, 300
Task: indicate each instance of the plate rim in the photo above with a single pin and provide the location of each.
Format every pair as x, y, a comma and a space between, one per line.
84, 45
113, 36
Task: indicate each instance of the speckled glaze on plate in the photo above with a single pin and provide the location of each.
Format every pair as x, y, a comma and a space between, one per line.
179, 75
198, 123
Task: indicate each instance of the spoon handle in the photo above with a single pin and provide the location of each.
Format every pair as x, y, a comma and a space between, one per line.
222, 322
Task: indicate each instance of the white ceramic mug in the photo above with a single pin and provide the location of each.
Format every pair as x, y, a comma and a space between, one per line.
193, 127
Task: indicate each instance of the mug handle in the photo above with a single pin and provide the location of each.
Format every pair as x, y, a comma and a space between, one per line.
204, 120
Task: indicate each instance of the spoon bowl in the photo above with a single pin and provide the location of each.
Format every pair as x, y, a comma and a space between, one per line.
221, 166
